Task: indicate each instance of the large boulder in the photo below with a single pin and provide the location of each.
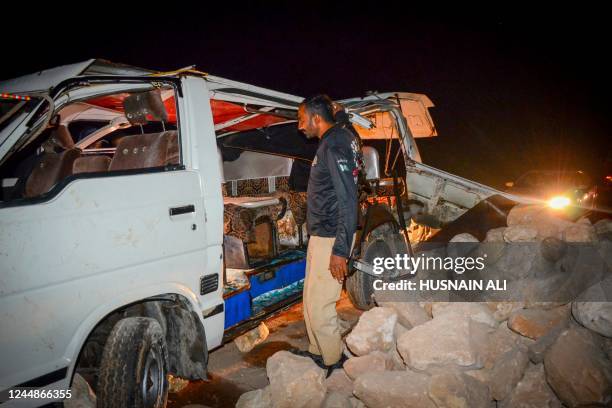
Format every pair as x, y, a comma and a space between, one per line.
520, 233
454, 389
295, 381
532, 391
409, 314
548, 292
526, 214
514, 263
483, 375
579, 232
538, 217
356, 403
250, 339
255, 399
603, 229
503, 310
427, 307
374, 331
561, 282
553, 249
478, 312
593, 308
507, 372
396, 360
336, 400
394, 389
500, 342
377, 361
535, 323
495, 235
596, 316
446, 340
493, 246
605, 251
588, 264
578, 370
339, 382
399, 330
464, 237
537, 350
461, 245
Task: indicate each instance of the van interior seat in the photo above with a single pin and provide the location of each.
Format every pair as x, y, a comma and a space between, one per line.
51, 168
277, 187
91, 164
146, 151
256, 186
62, 137
240, 214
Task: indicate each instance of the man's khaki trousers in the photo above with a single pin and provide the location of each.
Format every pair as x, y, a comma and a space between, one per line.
321, 292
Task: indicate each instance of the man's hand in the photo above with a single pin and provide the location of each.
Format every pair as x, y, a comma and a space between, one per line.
338, 267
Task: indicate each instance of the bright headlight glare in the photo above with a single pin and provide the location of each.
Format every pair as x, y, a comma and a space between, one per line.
558, 202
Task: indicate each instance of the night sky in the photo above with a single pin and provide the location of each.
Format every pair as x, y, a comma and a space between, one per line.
513, 92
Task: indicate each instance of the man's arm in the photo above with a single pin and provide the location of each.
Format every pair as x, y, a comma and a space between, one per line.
341, 166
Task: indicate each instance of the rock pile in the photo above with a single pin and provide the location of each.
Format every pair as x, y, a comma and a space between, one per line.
503, 353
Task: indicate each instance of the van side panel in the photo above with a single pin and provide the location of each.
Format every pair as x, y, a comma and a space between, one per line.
103, 241
99, 238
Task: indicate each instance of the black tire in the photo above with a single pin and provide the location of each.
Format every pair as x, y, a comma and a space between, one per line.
134, 366
360, 290
383, 241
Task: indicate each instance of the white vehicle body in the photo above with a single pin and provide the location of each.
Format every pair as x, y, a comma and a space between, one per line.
69, 261
99, 244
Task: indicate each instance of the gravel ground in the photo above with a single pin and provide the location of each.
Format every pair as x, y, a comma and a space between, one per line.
232, 373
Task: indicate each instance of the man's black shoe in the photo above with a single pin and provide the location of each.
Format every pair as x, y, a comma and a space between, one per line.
319, 360
339, 364
314, 357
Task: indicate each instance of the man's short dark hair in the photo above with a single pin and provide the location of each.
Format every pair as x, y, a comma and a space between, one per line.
320, 105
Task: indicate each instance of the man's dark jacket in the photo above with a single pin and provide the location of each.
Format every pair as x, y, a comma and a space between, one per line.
332, 189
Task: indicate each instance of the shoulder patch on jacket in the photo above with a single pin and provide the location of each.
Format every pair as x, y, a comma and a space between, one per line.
343, 164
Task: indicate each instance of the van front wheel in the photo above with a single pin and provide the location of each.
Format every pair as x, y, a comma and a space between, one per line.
134, 367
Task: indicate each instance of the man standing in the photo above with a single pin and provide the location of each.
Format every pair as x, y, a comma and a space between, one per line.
332, 220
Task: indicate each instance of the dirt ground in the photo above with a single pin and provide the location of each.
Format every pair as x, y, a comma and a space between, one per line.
231, 373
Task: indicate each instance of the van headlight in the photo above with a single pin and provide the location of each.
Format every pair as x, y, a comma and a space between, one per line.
559, 202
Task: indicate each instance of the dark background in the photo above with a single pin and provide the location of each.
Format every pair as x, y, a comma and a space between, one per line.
514, 90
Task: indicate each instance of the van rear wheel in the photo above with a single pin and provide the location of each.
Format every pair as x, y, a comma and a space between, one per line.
384, 241
134, 367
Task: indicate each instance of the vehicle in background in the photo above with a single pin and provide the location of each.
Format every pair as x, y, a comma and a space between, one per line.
573, 192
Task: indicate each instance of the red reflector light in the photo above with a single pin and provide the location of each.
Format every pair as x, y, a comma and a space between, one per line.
16, 97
